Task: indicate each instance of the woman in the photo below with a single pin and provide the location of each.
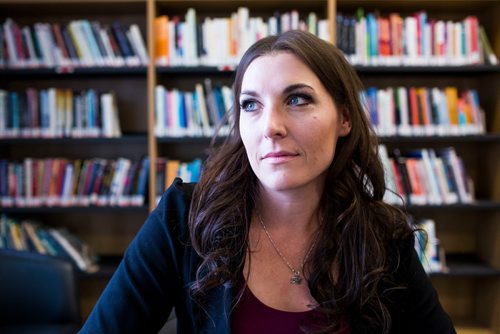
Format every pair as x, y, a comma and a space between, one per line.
286, 232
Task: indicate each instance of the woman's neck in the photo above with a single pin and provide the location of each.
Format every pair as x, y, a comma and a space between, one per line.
296, 210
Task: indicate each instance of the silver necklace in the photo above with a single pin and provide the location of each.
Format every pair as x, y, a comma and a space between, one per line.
296, 273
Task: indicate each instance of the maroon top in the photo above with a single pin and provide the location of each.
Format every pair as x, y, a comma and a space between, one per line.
251, 316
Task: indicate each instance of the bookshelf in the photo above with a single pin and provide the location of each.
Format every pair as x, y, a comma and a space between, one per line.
470, 233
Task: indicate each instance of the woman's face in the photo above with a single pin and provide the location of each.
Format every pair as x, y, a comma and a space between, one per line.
288, 123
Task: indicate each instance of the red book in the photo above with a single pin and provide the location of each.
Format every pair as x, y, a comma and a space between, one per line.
414, 107
396, 29
384, 37
57, 32
18, 39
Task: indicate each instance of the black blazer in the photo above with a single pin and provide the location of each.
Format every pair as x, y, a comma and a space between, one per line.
159, 264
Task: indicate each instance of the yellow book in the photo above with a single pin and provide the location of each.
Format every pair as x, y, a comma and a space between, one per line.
161, 40
452, 99
171, 174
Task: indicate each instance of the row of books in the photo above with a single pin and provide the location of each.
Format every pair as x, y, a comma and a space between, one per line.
31, 236
428, 247
192, 113
421, 111
56, 112
375, 39
221, 41
80, 43
168, 169
426, 176
63, 182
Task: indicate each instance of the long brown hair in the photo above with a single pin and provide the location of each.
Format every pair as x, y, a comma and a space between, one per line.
357, 226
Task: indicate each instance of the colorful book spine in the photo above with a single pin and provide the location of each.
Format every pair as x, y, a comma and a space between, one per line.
422, 111
64, 182
79, 43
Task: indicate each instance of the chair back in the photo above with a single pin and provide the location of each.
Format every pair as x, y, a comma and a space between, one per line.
37, 290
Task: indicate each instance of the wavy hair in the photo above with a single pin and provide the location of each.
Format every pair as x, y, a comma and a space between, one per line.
352, 258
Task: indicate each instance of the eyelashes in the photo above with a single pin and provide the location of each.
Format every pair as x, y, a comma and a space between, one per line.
293, 100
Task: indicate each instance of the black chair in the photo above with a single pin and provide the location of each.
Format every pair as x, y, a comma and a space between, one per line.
38, 294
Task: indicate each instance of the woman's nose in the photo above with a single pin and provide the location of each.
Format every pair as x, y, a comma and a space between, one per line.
274, 122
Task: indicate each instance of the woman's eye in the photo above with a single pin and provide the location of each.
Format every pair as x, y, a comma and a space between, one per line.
298, 100
248, 106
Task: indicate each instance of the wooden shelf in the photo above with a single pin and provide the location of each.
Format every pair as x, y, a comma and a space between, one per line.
466, 265
75, 209
65, 72
448, 70
123, 140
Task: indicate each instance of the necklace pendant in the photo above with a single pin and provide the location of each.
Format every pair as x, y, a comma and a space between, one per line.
296, 279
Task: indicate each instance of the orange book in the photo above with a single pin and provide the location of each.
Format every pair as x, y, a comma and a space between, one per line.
172, 169
417, 188
396, 30
426, 118
161, 40
452, 99
414, 107
384, 46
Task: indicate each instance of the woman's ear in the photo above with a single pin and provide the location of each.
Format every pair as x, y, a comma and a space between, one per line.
345, 122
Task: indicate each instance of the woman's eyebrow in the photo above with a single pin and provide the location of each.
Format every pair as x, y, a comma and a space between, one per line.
297, 86
287, 90
249, 92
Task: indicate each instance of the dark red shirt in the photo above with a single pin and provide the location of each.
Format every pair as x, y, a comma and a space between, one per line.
252, 316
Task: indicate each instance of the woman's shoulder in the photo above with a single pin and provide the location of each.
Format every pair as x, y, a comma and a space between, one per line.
177, 197
173, 207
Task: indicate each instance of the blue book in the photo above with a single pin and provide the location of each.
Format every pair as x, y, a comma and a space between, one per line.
371, 95
143, 178
4, 178
44, 109
181, 111
372, 26
14, 118
194, 168
94, 48
121, 38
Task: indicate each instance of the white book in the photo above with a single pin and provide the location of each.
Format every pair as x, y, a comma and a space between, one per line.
410, 36
243, 26
272, 24
138, 41
312, 23
460, 178
324, 30
76, 29
68, 184
160, 117
439, 37
111, 58
10, 43
33, 60
390, 195
294, 19
53, 115
434, 193
42, 30
189, 38
404, 128
72, 251
106, 115
3, 113
202, 107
